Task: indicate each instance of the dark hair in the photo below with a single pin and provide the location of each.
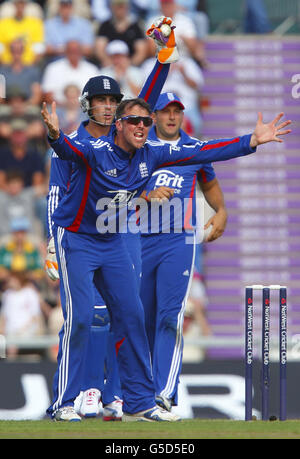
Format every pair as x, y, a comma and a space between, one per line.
14, 175
129, 103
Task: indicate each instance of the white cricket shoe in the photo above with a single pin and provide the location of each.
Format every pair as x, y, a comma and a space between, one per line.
90, 403
77, 402
164, 402
152, 415
113, 411
66, 413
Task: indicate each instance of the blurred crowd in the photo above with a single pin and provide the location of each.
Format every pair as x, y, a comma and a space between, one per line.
48, 50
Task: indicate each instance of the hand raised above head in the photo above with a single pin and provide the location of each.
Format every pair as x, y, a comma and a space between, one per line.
51, 120
162, 32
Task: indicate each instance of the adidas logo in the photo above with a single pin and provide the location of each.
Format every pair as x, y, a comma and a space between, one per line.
112, 172
186, 273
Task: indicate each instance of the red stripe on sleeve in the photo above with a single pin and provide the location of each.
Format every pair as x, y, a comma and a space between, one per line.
77, 221
220, 144
171, 163
203, 175
153, 82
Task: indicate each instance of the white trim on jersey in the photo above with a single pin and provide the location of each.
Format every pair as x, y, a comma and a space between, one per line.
64, 363
154, 142
196, 144
53, 201
73, 134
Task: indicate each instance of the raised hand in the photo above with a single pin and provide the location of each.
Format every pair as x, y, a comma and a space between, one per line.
51, 120
269, 132
166, 44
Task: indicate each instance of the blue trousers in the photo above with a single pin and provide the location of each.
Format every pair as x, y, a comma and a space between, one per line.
167, 271
101, 360
104, 260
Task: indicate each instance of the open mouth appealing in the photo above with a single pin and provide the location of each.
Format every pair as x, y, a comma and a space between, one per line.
139, 135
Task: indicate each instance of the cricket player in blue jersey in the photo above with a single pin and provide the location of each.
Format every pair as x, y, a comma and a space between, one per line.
168, 248
90, 249
99, 100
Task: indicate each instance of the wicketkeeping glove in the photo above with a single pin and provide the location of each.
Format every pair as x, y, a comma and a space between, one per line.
166, 45
51, 266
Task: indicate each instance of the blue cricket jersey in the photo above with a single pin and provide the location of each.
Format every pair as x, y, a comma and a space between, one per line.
61, 171
105, 178
180, 212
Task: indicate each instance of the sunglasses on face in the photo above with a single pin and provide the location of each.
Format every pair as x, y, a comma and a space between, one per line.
135, 120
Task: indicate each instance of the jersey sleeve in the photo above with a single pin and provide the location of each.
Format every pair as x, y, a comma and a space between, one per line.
154, 83
60, 173
81, 152
206, 173
204, 152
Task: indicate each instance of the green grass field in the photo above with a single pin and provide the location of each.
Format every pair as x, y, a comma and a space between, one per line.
187, 429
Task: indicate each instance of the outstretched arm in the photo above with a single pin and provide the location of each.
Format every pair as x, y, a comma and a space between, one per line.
67, 149
269, 132
224, 149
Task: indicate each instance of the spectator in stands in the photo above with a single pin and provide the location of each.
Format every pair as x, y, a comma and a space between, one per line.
29, 29
197, 11
256, 18
72, 69
81, 8
17, 156
129, 77
20, 314
101, 10
19, 202
26, 78
17, 106
66, 27
69, 113
121, 26
189, 45
33, 9
19, 252
185, 79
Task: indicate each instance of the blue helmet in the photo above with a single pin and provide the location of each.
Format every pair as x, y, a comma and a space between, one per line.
98, 86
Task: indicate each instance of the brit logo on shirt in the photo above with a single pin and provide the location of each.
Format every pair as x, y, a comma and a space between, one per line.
143, 170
